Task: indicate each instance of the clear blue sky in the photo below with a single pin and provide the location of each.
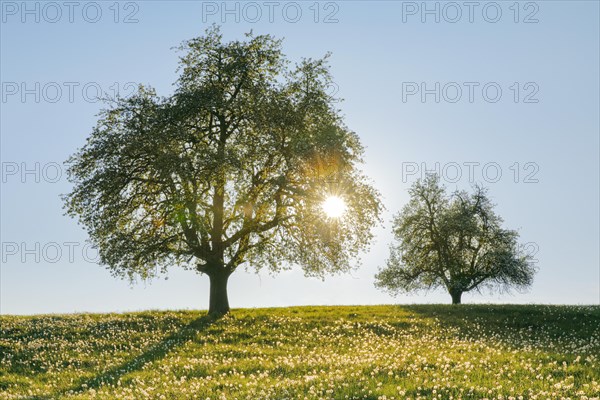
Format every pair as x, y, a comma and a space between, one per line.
382, 53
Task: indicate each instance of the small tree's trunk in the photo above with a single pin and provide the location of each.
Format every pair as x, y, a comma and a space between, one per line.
456, 295
218, 304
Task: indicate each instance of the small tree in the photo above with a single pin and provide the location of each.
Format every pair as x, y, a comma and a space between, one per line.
455, 242
230, 170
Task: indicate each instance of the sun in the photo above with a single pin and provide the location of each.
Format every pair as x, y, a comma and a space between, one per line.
334, 206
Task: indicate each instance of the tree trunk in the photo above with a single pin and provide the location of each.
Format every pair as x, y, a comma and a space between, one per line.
456, 295
218, 304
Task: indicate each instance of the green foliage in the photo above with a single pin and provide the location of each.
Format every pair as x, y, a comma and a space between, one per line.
351, 352
229, 170
456, 242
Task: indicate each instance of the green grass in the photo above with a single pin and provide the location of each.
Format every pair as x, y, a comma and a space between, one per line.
355, 352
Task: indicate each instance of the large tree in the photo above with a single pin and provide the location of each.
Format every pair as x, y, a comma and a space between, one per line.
232, 169
453, 241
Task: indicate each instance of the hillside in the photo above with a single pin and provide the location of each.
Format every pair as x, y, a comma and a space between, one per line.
353, 352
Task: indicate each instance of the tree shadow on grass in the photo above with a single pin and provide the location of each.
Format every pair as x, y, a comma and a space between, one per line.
465, 319
153, 353
496, 317
507, 322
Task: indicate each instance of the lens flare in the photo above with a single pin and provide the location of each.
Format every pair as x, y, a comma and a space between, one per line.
334, 206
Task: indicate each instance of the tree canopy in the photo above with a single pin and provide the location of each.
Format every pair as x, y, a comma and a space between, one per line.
229, 170
453, 241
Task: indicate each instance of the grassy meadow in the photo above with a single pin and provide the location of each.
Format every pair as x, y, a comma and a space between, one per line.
349, 352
